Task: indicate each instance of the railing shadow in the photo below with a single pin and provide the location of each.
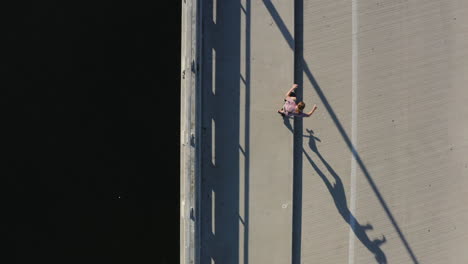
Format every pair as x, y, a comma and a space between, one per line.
339, 197
224, 158
246, 153
219, 231
298, 142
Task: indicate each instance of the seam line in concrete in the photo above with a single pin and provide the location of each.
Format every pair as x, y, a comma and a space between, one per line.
352, 199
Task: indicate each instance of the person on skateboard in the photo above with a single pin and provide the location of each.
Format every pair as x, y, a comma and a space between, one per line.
290, 108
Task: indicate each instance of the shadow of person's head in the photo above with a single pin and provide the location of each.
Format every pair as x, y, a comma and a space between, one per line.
312, 140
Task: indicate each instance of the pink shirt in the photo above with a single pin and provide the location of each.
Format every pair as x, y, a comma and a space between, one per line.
289, 108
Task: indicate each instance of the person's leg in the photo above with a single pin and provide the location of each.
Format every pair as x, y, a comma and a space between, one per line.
281, 112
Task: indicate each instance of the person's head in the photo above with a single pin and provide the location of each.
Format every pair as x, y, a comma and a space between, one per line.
300, 106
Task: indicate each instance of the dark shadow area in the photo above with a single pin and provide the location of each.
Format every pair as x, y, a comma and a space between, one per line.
298, 126
245, 222
337, 191
305, 69
287, 123
92, 161
222, 151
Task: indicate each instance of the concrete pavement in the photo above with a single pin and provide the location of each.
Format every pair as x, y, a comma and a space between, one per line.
389, 79
379, 174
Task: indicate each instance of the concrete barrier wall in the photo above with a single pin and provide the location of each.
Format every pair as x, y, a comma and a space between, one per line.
190, 131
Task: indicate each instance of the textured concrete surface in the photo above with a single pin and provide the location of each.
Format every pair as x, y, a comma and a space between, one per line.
393, 74
190, 112
380, 170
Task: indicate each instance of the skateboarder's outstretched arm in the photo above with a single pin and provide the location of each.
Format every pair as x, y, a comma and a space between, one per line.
312, 111
292, 89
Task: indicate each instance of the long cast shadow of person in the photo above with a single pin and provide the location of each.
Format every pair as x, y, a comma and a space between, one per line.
339, 197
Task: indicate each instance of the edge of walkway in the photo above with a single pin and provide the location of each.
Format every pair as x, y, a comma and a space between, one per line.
190, 131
